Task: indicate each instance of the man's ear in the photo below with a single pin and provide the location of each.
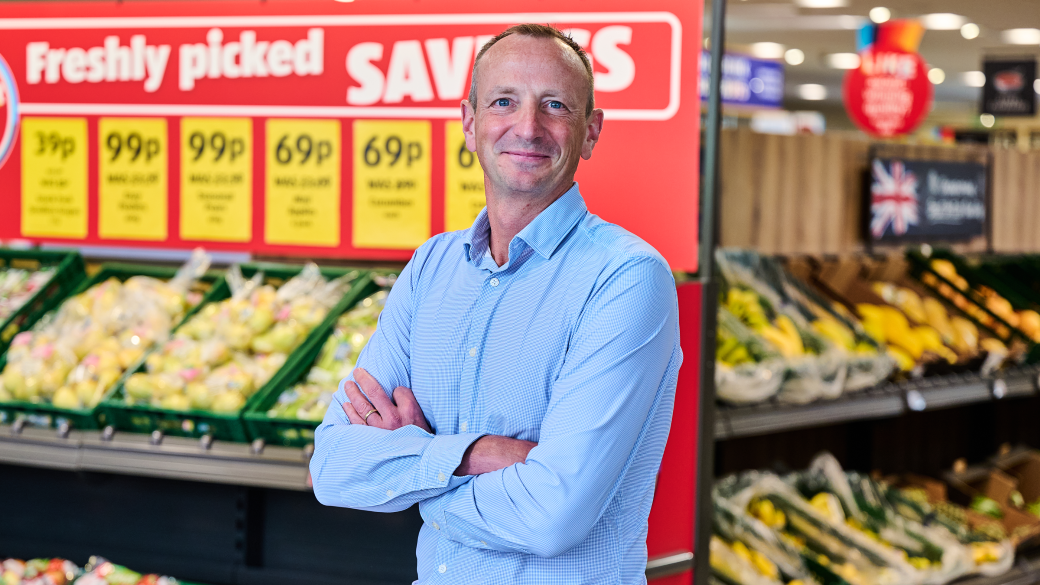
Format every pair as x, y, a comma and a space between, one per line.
593, 128
468, 125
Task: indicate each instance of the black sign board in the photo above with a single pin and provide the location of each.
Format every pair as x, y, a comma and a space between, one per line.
1009, 87
925, 200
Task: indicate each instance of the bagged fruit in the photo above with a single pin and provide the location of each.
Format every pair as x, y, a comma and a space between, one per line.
75, 353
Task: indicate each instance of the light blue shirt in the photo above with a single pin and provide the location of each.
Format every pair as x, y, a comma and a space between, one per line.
574, 344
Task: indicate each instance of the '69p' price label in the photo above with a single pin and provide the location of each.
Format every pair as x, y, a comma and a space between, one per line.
391, 184
303, 167
217, 179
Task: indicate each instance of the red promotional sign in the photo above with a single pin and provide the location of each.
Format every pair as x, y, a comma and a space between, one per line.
318, 128
889, 94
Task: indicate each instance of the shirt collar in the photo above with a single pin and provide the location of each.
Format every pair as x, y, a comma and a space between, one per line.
544, 234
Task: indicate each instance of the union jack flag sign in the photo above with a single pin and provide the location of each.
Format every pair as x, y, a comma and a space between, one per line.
893, 199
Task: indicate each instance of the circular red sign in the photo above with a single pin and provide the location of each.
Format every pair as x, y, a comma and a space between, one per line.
889, 94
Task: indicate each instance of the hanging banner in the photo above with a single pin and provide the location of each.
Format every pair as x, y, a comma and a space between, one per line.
889, 94
926, 200
1009, 89
228, 80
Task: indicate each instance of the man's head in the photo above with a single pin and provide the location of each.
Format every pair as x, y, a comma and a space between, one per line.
538, 31
530, 116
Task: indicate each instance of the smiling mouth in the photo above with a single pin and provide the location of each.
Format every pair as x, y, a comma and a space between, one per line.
527, 155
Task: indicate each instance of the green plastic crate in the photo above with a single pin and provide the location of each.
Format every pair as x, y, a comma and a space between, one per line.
115, 411
69, 271
45, 414
290, 432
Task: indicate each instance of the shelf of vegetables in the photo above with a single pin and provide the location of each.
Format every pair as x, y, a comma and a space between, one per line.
859, 339
828, 526
56, 571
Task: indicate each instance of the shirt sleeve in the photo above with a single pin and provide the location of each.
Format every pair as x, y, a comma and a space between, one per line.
619, 373
373, 469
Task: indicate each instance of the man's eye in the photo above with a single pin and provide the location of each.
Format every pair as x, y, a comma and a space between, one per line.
502, 102
555, 105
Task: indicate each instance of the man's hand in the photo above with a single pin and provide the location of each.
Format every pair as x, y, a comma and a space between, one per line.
382, 412
491, 453
488, 453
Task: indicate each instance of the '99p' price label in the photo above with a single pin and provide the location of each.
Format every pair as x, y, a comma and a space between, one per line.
132, 178
391, 184
217, 179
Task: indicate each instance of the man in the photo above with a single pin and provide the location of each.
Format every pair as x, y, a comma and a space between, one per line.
533, 357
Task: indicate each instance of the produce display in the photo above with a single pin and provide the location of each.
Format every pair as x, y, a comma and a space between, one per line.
18, 285
75, 353
309, 399
1027, 321
919, 330
825, 525
231, 348
785, 340
55, 571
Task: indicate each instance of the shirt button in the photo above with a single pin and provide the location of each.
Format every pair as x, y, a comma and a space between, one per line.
494, 282
463, 426
442, 568
440, 477
472, 352
390, 493
436, 526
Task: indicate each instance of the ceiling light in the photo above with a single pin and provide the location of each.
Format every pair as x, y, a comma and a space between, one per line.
767, 50
1021, 36
1036, 85
973, 78
794, 57
880, 14
970, 31
936, 75
812, 91
943, 21
987, 120
843, 61
822, 3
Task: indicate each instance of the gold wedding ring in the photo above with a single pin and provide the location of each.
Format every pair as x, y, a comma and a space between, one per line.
370, 413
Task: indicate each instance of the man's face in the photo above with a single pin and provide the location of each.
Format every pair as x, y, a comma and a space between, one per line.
529, 127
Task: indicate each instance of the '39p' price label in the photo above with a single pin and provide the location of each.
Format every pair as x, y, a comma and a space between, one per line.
391, 184
217, 179
132, 178
302, 195
54, 177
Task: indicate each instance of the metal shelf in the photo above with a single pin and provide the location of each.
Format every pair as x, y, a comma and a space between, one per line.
171, 457
880, 402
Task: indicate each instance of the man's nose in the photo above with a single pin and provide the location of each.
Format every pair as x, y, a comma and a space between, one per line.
528, 122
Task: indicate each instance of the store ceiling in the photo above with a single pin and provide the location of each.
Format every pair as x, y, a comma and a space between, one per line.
820, 32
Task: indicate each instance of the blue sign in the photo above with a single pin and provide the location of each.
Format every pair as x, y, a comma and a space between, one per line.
746, 81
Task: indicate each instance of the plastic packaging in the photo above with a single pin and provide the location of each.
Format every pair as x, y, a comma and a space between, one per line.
310, 399
74, 354
231, 348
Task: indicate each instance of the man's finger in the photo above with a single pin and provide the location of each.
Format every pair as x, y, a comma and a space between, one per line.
361, 404
373, 390
408, 408
355, 418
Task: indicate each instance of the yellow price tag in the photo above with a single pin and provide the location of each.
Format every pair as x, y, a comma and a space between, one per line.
54, 177
217, 179
303, 182
132, 178
463, 180
391, 184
